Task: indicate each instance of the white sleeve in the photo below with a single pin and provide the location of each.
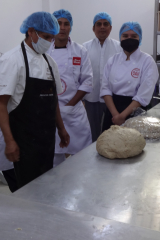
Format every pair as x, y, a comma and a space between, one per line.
8, 75
56, 74
147, 84
57, 80
86, 74
105, 86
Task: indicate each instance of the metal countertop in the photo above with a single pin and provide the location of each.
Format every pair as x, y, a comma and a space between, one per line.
24, 220
127, 191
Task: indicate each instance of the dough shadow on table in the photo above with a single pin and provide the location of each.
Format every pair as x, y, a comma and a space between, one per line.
131, 160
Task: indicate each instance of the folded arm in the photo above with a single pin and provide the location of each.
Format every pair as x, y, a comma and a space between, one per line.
78, 97
120, 118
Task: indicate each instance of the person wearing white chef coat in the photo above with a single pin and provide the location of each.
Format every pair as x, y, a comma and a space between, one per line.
76, 76
129, 77
29, 110
100, 49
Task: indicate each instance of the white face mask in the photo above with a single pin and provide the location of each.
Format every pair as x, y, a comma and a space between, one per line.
41, 46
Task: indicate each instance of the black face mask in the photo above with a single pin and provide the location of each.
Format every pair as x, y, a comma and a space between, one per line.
130, 44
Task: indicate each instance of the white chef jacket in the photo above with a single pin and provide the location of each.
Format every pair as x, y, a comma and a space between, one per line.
135, 78
79, 61
13, 80
76, 74
99, 56
13, 73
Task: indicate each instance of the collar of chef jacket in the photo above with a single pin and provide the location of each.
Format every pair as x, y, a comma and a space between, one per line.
74, 50
134, 56
98, 42
31, 51
99, 57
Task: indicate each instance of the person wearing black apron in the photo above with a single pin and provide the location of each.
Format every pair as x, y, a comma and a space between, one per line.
129, 78
33, 125
30, 130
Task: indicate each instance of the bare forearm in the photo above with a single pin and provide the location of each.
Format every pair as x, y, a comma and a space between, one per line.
110, 104
130, 109
4, 121
63, 134
78, 97
59, 121
4, 125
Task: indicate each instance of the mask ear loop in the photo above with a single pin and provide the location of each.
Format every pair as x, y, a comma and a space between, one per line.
37, 36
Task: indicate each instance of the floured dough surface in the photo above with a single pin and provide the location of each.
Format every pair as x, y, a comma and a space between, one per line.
120, 142
149, 127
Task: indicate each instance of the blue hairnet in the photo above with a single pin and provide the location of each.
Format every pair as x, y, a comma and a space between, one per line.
102, 15
134, 26
64, 14
41, 21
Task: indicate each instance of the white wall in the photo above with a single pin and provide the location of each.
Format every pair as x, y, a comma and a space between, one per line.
54, 5
121, 11
50, 5
46, 5
12, 14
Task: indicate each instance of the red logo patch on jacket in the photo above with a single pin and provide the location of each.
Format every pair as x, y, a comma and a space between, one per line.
135, 72
76, 61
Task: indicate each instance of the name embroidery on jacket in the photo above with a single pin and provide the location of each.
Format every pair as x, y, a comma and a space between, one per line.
76, 61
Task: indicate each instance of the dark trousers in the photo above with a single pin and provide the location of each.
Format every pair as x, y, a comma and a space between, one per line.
95, 112
121, 103
10, 177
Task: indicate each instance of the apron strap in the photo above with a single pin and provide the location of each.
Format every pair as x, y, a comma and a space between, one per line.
25, 59
50, 68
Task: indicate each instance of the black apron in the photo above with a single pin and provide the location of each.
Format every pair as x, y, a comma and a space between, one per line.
121, 103
33, 126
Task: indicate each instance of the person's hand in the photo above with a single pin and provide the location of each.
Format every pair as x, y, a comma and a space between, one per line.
65, 138
118, 119
68, 104
12, 151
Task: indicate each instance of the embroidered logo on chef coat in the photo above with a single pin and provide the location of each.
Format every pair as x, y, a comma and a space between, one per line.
135, 72
76, 61
47, 92
64, 86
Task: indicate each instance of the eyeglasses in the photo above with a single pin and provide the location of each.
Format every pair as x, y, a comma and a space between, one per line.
105, 24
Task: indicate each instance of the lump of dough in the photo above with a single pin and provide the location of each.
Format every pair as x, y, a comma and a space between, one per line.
120, 142
149, 127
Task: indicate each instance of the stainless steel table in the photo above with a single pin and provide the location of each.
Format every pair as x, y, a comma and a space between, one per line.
127, 191
24, 220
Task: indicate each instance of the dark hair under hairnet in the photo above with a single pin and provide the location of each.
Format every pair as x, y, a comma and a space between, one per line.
62, 13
